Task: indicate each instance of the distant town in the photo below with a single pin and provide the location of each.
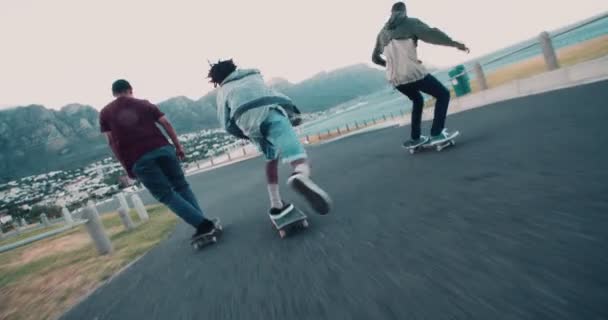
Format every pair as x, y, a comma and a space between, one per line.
28, 197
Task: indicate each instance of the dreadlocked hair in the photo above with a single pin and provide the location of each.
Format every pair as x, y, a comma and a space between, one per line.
220, 71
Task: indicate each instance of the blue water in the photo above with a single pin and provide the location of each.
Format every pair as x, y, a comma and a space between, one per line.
389, 101
376, 106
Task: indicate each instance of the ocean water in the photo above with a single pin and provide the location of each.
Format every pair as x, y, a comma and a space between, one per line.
390, 101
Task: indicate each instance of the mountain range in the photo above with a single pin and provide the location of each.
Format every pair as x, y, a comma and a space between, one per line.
34, 139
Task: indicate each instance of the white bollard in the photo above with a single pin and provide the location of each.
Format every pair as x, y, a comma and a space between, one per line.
122, 201
125, 218
481, 77
45, 220
67, 216
139, 207
548, 51
96, 230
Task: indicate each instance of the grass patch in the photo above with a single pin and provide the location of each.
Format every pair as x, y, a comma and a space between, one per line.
588, 50
43, 279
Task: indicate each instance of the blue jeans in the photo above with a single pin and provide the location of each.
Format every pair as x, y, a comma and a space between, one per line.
279, 139
161, 173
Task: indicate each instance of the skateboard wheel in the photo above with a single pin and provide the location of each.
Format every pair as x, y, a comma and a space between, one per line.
305, 224
282, 234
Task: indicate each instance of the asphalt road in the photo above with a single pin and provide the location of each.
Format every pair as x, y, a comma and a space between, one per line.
511, 223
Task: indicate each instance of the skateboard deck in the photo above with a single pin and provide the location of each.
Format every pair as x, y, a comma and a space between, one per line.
204, 240
438, 146
295, 218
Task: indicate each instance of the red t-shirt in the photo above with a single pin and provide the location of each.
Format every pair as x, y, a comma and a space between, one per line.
132, 123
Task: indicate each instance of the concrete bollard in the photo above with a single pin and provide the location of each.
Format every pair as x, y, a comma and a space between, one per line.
548, 51
67, 216
481, 77
122, 200
96, 230
45, 220
139, 207
125, 218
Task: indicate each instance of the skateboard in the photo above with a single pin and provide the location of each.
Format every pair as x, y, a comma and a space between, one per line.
295, 218
204, 240
439, 146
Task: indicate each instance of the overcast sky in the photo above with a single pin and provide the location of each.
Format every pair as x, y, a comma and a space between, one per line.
55, 52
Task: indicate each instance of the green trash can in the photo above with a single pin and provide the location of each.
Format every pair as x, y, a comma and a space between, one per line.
460, 80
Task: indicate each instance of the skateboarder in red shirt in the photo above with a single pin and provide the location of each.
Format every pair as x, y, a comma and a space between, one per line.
130, 126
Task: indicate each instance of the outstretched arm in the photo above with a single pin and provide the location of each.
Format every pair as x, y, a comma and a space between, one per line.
164, 122
436, 36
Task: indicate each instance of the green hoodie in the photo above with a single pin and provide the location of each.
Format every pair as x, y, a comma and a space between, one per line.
403, 28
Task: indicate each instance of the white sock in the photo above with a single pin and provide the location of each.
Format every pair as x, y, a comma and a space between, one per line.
302, 168
275, 196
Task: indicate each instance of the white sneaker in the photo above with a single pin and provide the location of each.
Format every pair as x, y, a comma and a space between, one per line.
318, 199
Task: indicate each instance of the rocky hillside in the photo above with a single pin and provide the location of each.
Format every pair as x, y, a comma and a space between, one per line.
34, 139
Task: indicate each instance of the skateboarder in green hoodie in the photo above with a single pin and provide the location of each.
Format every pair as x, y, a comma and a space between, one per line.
397, 42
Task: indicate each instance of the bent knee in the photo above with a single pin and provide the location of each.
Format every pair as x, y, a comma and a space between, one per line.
443, 94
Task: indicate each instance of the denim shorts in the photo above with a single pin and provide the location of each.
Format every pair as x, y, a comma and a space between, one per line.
279, 139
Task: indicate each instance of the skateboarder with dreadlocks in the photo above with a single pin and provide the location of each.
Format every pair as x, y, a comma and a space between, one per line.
398, 41
248, 109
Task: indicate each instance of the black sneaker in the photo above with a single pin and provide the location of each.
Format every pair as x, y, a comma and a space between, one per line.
318, 199
207, 227
276, 213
